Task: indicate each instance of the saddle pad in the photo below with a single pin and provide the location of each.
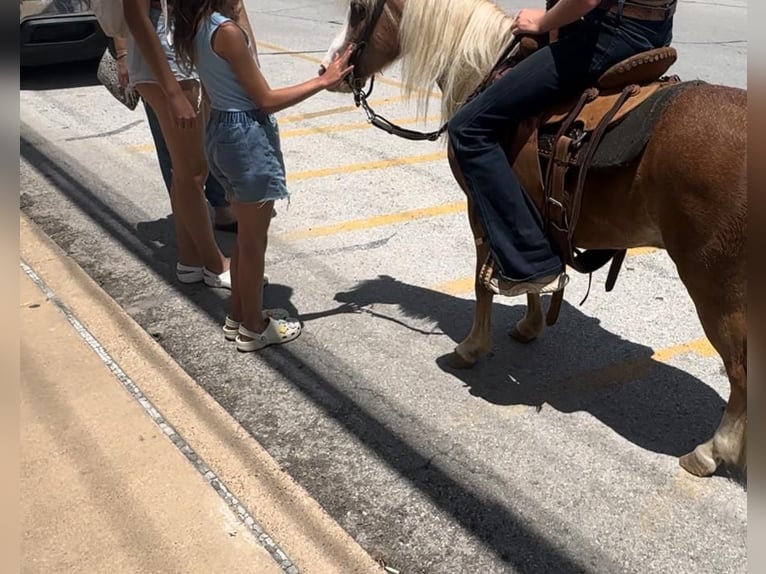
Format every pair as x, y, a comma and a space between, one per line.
624, 141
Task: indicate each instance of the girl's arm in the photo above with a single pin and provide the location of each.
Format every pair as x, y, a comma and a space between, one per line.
136, 14
229, 43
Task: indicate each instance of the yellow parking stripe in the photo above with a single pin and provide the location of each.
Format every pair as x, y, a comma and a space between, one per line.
315, 60
299, 132
700, 347
336, 110
377, 221
367, 166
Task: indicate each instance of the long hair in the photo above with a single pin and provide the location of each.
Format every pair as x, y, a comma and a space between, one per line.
452, 43
186, 16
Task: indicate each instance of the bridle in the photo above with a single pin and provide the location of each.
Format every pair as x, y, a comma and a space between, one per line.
360, 96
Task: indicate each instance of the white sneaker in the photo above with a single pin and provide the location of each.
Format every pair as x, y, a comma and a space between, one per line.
189, 273
222, 280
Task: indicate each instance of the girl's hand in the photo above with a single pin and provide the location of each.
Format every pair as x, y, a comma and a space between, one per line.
338, 68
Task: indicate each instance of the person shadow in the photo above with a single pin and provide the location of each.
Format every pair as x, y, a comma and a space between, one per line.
576, 366
159, 236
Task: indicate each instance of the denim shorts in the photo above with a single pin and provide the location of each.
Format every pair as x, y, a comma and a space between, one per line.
245, 155
139, 71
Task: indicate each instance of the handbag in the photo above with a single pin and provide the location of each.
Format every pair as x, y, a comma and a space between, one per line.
110, 17
108, 76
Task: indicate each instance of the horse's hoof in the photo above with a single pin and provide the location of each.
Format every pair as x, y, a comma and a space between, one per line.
520, 337
456, 361
698, 464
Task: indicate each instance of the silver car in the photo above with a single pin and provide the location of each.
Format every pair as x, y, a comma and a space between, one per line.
59, 31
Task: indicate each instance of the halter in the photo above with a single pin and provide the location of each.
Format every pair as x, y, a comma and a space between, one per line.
360, 96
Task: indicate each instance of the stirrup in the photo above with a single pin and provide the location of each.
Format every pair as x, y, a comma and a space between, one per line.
487, 276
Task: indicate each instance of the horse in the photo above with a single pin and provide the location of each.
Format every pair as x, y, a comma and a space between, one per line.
686, 192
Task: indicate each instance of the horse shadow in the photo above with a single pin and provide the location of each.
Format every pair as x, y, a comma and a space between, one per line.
575, 366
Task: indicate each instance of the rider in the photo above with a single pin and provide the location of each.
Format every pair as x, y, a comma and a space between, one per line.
602, 33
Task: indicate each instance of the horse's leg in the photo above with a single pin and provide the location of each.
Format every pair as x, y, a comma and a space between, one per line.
531, 325
726, 327
478, 343
699, 196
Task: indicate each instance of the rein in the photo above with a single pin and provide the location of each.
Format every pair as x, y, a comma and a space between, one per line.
360, 96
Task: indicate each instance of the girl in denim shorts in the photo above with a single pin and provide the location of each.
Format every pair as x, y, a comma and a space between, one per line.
243, 150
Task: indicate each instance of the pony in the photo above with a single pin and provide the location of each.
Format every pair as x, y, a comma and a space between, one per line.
686, 192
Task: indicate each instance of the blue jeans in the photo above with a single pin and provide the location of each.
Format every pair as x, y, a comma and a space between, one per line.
214, 192
513, 226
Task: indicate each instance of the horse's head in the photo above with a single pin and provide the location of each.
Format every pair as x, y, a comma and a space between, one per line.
373, 27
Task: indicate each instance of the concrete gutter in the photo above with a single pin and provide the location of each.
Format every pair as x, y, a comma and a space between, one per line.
102, 483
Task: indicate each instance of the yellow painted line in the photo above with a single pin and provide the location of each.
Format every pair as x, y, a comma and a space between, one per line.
367, 166
457, 287
141, 148
298, 132
636, 368
642, 250
315, 60
377, 221
700, 347
337, 110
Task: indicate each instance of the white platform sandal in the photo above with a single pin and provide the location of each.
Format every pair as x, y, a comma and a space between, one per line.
277, 332
231, 327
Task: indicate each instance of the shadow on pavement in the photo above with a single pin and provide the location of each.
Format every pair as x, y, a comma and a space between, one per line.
575, 366
498, 525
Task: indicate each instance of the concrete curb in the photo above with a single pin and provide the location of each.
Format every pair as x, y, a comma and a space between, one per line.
297, 523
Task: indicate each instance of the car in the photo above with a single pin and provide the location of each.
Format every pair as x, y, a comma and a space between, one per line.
59, 31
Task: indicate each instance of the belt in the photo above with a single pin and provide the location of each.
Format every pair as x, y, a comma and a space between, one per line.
651, 11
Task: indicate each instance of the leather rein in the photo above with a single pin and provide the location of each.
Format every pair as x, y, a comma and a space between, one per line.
360, 95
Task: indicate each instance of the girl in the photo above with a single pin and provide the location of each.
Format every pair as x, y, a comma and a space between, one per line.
243, 149
176, 98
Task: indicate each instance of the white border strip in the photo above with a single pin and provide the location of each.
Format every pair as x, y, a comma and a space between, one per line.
210, 477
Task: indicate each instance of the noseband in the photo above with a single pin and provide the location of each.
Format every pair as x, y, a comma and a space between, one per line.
360, 96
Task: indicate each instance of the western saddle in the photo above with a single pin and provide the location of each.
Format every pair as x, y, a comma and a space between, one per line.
555, 151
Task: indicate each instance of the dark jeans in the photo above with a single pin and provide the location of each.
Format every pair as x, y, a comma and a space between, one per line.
214, 193
513, 226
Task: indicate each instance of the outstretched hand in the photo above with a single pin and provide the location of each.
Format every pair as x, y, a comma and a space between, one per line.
338, 69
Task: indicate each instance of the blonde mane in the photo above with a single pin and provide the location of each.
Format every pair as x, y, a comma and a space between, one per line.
452, 44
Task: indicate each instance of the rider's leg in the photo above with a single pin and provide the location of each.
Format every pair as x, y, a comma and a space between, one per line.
518, 242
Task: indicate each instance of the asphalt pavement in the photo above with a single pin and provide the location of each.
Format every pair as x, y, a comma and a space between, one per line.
559, 456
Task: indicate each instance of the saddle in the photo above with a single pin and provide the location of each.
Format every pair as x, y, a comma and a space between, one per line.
558, 153
552, 153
